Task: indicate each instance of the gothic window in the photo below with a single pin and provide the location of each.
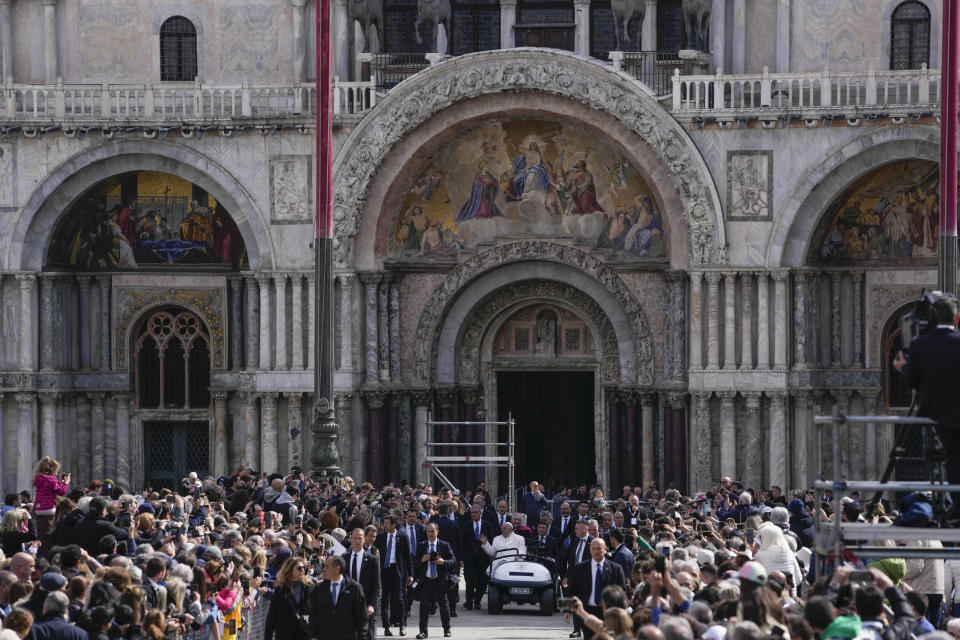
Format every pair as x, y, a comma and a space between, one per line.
171, 361
178, 50
910, 36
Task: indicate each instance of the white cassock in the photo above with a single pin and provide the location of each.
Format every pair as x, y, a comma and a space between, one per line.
513, 541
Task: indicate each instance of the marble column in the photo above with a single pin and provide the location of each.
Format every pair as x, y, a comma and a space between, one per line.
405, 440
296, 326
648, 35
48, 425
730, 320
341, 41
421, 405
281, 363
718, 27
124, 476
251, 428
750, 462
800, 312
269, 437
783, 36
383, 329
98, 435
813, 320
800, 452
375, 401
392, 411
372, 342
236, 323
841, 406
394, 316
581, 18
221, 461
253, 323
676, 321
26, 438
64, 426
738, 63
871, 460
615, 439
746, 322
781, 330
312, 329
676, 450
858, 319
295, 428
299, 43
344, 401
713, 319
696, 321
700, 443
47, 310
83, 439
508, 18
647, 441
347, 320
777, 451
763, 321
728, 433
631, 471
6, 42
103, 284
835, 345
50, 46
110, 438
468, 398
28, 283
264, 283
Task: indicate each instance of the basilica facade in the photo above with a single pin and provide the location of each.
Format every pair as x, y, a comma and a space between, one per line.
661, 241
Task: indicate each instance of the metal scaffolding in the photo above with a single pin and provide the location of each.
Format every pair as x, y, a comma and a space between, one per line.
503, 452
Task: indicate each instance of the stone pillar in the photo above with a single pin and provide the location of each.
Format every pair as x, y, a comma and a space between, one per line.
752, 444
800, 452
841, 406
713, 319
648, 42
676, 451
783, 36
28, 283
835, 350
469, 397
83, 439
738, 63
763, 321
269, 458
253, 323
50, 47
110, 438
104, 282
65, 428
581, 18
280, 350
48, 425
696, 323
221, 461
800, 312
343, 400
405, 440
746, 322
341, 41
236, 323
295, 429
777, 451
124, 476
84, 321
46, 326
872, 468
251, 430
312, 329
6, 41
296, 326
392, 411
98, 435
421, 405
347, 320
394, 317
615, 439
781, 332
26, 439
718, 39
508, 18
375, 401
858, 319
700, 442
813, 320
676, 319
263, 283
372, 341
631, 471
730, 320
299, 43
383, 330
728, 433
646, 437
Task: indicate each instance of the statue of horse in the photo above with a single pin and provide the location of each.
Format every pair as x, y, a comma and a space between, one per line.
367, 13
623, 12
696, 20
434, 12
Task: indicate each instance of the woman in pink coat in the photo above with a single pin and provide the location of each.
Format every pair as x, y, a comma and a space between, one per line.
49, 483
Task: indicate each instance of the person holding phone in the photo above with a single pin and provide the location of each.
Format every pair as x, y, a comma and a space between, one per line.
434, 557
49, 483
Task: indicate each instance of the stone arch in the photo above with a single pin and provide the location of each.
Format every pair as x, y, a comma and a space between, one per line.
578, 79
455, 299
802, 210
30, 238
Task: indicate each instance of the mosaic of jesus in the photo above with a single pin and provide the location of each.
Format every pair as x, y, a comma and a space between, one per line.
527, 178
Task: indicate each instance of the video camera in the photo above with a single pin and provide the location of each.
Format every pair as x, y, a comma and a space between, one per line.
922, 318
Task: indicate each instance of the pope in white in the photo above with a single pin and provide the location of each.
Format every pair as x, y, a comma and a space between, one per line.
507, 540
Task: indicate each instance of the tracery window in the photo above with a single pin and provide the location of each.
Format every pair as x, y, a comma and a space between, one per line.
910, 36
171, 360
178, 50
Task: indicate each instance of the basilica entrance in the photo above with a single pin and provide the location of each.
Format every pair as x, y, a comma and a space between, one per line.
174, 449
554, 413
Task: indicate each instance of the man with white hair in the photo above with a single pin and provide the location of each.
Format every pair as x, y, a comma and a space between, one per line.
53, 624
506, 540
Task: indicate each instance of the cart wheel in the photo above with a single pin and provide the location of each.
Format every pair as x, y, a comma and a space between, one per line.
547, 602
494, 606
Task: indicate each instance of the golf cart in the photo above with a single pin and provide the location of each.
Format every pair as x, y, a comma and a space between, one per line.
522, 579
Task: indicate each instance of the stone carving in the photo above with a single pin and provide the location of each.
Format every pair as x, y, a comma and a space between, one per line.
431, 320
434, 13
553, 72
750, 185
131, 303
253, 36
8, 176
291, 184
623, 12
369, 13
107, 42
696, 21
470, 342
546, 335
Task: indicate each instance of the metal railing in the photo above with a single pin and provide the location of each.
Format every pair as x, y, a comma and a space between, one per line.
254, 623
387, 70
653, 68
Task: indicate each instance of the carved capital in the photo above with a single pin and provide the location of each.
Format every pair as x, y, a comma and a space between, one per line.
752, 398
268, 400
343, 398
397, 398
421, 397
27, 280
778, 398
248, 399
729, 277
24, 398
780, 275
96, 399
446, 396
648, 399
677, 400
801, 399
629, 396
220, 396
48, 400
375, 399
295, 398
727, 397
470, 395
801, 277
857, 276
835, 276
370, 278
712, 277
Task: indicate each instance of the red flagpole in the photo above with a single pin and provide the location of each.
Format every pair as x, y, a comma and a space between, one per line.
950, 69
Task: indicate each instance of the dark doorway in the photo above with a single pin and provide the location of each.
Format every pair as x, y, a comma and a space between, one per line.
174, 449
554, 425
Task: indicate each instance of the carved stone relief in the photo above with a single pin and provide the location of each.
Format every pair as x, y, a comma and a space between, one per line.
8, 175
291, 186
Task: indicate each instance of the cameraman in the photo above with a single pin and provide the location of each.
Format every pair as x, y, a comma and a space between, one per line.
933, 368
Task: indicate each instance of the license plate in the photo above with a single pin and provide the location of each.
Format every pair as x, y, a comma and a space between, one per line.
520, 591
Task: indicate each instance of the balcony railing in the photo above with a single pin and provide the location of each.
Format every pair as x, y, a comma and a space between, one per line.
653, 68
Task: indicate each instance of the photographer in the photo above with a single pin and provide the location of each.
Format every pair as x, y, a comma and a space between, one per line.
933, 367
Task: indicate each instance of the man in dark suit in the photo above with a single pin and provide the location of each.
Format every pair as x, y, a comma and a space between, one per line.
487, 512
588, 579
449, 532
503, 513
396, 572
363, 567
474, 558
543, 544
632, 515
579, 549
415, 533
434, 557
562, 528
933, 367
621, 554
337, 608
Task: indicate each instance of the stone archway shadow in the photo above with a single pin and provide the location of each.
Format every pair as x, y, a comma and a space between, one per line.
30, 238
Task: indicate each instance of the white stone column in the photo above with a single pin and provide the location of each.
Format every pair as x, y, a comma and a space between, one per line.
393, 314
421, 402
28, 284
265, 342
648, 42
221, 463
345, 443
103, 283
84, 321
296, 328
347, 320
251, 428
841, 406
341, 41
800, 453
236, 323
696, 321
871, 460
26, 439
647, 441
48, 425
718, 27
581, 18
763, 321
752, 441
253, 322
713, 319
83, 439
124, 454
383, 329
730, 320
299, 43
728, 433
800, 330
372, 341
269, 458
746, 326
312, 329
6, 41
46, 323
777, 451
783, 36
50, 46
98, 436
508, 18
281, 362
738, 64
781, 329
813, 320
836, 352
700, 442
295, 429
858, 319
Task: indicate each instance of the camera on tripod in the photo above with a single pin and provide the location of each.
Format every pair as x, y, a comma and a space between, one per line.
922, 318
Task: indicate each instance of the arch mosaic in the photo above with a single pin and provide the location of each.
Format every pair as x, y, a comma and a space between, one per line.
585, 81
635, 357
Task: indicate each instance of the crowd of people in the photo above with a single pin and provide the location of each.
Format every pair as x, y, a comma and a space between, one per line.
338, 560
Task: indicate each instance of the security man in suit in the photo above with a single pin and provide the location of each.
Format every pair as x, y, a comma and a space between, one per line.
474, 558
578, 551
562, 527
396, 572
588, 579
338, 610
363, 567
449, 532
621, 554
415, 533
487, 512
434, 557
543, 544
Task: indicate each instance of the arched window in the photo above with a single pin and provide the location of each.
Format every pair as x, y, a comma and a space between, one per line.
895, 393
178, 50
171, 360
910, 36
